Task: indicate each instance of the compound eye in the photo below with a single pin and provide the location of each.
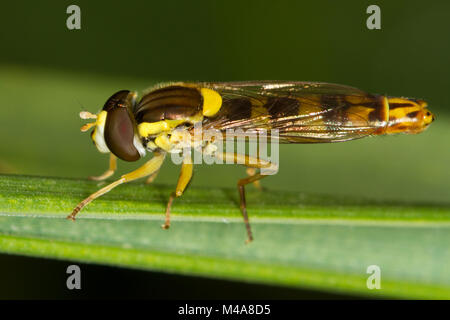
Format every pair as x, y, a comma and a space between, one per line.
118, 99
119, 131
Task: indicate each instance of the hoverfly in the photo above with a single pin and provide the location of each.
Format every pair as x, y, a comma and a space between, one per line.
302, 112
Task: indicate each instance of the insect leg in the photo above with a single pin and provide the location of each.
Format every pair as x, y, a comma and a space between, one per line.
151, 177
183, 181
148, 168
251, 162
108, 173
251, 172
243, 203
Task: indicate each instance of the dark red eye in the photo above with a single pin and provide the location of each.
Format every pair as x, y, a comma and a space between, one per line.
118, 99
119, 127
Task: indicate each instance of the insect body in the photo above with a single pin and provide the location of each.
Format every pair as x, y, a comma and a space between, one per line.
162, 122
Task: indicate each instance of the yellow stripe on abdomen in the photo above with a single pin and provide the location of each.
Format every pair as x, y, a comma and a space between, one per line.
212, 101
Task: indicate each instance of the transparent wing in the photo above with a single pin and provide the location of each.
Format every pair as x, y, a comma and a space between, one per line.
302, 112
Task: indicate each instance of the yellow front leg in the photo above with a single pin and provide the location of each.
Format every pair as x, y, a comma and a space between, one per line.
187, 169
147, 169
108, 173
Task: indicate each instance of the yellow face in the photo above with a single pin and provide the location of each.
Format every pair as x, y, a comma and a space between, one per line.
408, 116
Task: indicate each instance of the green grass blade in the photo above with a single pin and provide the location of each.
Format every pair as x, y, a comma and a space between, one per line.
301, 240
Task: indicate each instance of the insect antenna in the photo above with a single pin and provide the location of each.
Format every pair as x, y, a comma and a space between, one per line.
87, 115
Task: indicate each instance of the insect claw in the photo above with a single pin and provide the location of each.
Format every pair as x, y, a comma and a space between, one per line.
165, 226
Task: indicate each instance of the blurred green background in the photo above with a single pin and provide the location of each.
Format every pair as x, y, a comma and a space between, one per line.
48, 74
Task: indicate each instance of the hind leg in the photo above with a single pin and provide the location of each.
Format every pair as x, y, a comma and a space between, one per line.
250, 162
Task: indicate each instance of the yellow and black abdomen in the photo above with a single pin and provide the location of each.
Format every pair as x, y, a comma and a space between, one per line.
304, 118
408, 116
